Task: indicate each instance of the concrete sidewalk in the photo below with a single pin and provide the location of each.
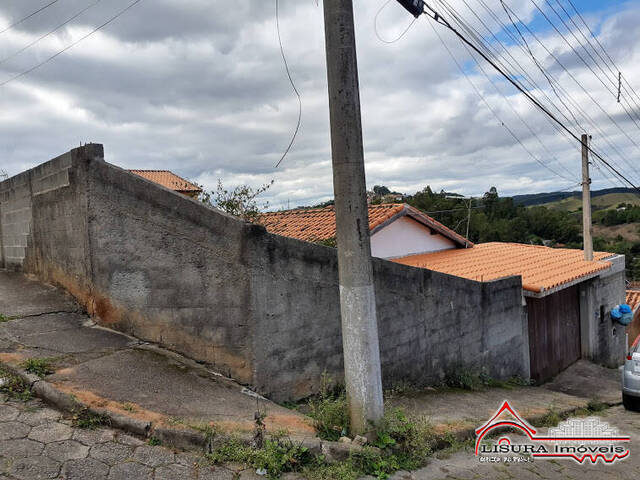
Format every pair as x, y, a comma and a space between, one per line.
143, 387
461, 412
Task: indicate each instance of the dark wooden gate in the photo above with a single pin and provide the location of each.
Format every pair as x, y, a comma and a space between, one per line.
554, 333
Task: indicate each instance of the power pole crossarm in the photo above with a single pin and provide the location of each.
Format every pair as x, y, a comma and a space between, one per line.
586, 201
357, 297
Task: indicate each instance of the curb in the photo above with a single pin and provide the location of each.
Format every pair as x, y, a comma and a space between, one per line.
179, 438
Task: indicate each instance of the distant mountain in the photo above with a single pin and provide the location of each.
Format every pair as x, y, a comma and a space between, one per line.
543, 198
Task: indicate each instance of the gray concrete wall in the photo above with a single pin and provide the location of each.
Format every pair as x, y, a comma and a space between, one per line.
603, 340
429, 323
259, 307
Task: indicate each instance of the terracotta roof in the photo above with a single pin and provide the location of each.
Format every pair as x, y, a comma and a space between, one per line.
633, 299
541, 268
320, 223
168, 179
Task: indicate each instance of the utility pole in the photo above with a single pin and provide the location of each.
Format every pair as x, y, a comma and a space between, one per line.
468, 223
586, 201
363, 378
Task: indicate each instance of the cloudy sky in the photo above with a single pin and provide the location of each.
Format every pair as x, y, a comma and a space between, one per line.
199, 87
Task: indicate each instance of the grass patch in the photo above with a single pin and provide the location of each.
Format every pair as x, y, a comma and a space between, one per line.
129, 407
4, 318
154, 442
38, 366
13, 386
89, 420
329, 410
463, 378
552, 418
277, 456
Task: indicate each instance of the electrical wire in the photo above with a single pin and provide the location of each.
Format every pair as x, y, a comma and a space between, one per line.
28, 16
614, 93
293, 85
585, 91
631, 93
26, 47
438, 18
479, 93
497, 58
375, 26
68, 47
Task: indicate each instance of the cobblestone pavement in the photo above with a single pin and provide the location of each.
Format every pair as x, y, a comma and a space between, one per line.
36, 442
464, 465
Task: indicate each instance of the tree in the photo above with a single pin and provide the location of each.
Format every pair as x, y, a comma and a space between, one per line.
381, 190
240, 202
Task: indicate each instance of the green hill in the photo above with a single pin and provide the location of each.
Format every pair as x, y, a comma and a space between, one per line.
598, 202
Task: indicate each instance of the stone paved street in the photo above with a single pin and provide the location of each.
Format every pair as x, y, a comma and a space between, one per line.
36, 442
464, 465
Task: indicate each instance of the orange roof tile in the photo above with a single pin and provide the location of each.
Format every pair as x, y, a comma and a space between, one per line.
320, 223
541, 268
633, 299
168, 179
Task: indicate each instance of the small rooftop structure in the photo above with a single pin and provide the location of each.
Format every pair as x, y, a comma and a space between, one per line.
543, 269
170, 180
396, 229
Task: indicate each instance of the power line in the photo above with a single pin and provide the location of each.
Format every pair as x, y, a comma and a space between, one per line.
589, 94
463, 25
28, 16
582, 59
437, 17
68, 47
615, 67
479, 93
26, 47
293, 85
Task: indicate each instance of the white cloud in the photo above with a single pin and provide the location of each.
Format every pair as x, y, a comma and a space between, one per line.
198, 87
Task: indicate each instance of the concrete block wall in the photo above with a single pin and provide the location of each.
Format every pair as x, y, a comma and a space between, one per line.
17, 195
259, 307
429, 323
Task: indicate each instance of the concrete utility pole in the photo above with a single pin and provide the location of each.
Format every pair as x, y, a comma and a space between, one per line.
586, 201
360, 343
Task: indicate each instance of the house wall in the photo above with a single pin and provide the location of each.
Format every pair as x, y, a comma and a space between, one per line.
405, 237
259, 307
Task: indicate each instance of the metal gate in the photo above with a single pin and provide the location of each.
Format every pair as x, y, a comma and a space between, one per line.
554, 333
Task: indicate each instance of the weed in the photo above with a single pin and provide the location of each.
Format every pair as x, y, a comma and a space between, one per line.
319, 470
154, 442
89, 420
38, 366
276, 456
4, 318
595, 406
129, 407
329, 411
13, 386
467, 379
550, 419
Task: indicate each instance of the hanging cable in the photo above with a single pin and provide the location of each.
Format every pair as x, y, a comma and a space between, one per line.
293, 85
399, 37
